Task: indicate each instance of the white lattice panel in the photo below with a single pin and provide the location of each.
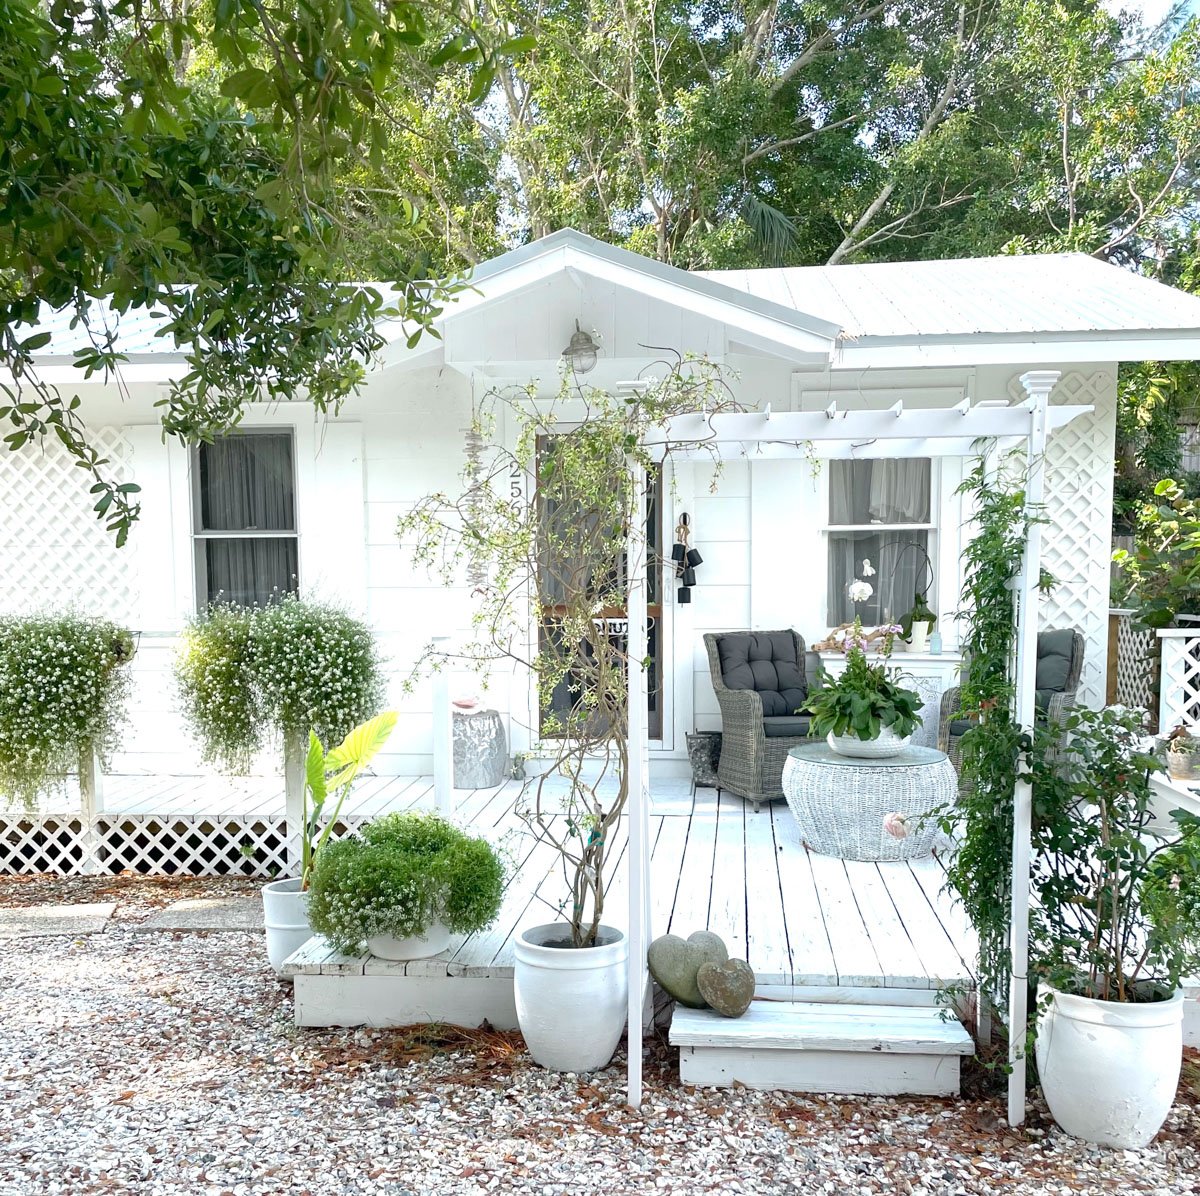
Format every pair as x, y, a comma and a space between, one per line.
152, 844
1077, 539
1179, 686
53, 548
1136, 665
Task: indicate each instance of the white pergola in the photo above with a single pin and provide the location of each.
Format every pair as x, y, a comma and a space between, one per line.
897, 432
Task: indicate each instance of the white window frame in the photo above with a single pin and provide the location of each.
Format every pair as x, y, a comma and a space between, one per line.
931, 527
200, 536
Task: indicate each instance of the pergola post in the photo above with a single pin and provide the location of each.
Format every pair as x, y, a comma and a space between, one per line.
1038, 384
636, 779
443, 739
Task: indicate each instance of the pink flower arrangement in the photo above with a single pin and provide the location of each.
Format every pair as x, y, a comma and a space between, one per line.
896, 825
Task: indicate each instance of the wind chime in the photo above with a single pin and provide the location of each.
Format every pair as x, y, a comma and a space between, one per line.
685, 558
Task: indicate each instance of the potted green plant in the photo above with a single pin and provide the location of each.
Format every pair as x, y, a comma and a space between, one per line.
403, 886
865, 710
1183, 754
328, 777
549, 555
1107, 940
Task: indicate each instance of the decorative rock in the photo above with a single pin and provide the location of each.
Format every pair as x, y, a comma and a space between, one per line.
728, 987
674, 963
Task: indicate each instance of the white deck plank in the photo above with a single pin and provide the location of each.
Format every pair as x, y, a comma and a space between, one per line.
666, 863
807, 932
930, 875
854, 954
694, 891
938, 957
767, 948
727, 910
540, 888
898, 958
616, 897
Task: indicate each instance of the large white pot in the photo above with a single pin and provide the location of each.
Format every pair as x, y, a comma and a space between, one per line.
285, 916
886, 743
434, 941
571, 1001
1109, 1069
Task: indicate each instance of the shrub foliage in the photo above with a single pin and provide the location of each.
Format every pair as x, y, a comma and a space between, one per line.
290, 667
404, 872
63, 694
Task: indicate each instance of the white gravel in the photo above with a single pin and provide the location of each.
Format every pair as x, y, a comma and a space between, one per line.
169, 1063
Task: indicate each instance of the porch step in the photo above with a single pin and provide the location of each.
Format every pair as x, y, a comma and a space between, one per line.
875, 1050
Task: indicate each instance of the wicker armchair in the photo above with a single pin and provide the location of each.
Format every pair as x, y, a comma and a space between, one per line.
1059, 667
752, 670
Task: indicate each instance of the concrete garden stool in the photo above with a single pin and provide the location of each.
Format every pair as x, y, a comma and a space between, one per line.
480, 749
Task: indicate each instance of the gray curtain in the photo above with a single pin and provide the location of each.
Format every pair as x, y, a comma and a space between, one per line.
878, 492
250, 572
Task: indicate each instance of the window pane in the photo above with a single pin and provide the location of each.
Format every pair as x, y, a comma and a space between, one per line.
901, 569
246, 483
249, 571
879, 491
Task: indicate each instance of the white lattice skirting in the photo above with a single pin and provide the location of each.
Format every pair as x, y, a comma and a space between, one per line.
151, 844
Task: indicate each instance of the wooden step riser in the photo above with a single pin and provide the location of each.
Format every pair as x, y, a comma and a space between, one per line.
843, 1072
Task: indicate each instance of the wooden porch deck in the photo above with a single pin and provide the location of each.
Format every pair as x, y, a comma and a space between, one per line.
801, 919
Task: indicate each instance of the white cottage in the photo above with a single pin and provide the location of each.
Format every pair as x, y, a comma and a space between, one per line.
780, 540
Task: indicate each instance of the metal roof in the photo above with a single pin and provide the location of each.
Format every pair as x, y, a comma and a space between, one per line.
1041, 293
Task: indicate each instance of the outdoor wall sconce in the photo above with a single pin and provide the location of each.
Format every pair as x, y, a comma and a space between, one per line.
580, 354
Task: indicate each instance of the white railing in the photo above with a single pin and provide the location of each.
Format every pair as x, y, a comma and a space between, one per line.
1132, 663
1179, 678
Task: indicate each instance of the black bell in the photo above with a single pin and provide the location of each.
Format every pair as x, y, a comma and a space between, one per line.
689, 577
678, 552
684, 595
694, 558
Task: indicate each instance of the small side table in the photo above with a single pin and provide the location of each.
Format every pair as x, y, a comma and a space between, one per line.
839, 802
480, 749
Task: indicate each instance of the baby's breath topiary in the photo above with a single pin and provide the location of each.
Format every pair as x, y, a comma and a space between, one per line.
404, 872
290, 667
62, 694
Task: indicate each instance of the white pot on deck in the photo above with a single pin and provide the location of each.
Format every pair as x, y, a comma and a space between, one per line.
571, 1001
285, 916
886, 743
434, 941
1109, 1069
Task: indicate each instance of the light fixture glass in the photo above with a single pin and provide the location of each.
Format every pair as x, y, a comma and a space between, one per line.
581, 353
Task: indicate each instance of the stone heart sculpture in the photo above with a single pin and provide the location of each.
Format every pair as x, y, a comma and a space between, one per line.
728, 987
674, 963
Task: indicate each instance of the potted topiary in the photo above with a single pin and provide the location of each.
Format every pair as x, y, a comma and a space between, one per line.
1183, 754
403, 886
864, 710
1110, 938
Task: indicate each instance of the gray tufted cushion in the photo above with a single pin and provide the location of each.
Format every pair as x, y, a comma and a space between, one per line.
1053, 661
766, 664
786, 726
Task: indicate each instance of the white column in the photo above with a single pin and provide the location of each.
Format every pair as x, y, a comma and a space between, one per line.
1038, 385
91, 805
295, 753
443, 748
637, 812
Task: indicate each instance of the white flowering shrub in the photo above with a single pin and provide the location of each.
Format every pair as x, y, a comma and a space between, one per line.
63, 694
246, 673
400, 875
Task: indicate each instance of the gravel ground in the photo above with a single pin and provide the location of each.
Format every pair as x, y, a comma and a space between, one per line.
169, 1063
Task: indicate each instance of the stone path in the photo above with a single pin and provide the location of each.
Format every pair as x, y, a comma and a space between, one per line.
197, 913
27, 921
207, 913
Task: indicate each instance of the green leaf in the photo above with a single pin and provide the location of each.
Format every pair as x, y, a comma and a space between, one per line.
314, 771
361, 745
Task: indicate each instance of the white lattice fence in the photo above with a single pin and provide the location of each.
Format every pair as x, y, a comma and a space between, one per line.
54, 548
152, 844
1135, 665
1077, 542
1179, 678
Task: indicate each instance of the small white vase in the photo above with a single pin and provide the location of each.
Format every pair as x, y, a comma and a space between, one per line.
434, 941
285, 917
1109, 1069
571, 1001
887, 743
918, 641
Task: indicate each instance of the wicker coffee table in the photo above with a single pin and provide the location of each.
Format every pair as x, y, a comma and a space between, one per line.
839, 802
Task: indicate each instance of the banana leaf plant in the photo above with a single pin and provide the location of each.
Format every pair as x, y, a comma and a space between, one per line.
329, 775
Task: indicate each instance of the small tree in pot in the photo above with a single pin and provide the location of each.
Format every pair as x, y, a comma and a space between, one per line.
1110, 938
542, 525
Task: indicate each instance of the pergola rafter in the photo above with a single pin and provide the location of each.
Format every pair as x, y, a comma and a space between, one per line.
957, 431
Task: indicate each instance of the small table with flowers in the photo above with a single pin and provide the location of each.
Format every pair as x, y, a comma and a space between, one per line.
840, 802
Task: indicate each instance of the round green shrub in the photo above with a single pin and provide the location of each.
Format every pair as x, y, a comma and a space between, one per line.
401, 874
289, 667
63, 693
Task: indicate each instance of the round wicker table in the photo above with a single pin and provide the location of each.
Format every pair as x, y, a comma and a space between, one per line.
840, 802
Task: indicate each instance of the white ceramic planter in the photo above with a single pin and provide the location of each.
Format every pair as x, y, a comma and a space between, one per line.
285, 916
887, 743
1109, 1069
434, 941
571, 1002
919, 639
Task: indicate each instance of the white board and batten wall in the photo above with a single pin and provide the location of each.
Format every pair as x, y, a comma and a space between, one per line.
761, 532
